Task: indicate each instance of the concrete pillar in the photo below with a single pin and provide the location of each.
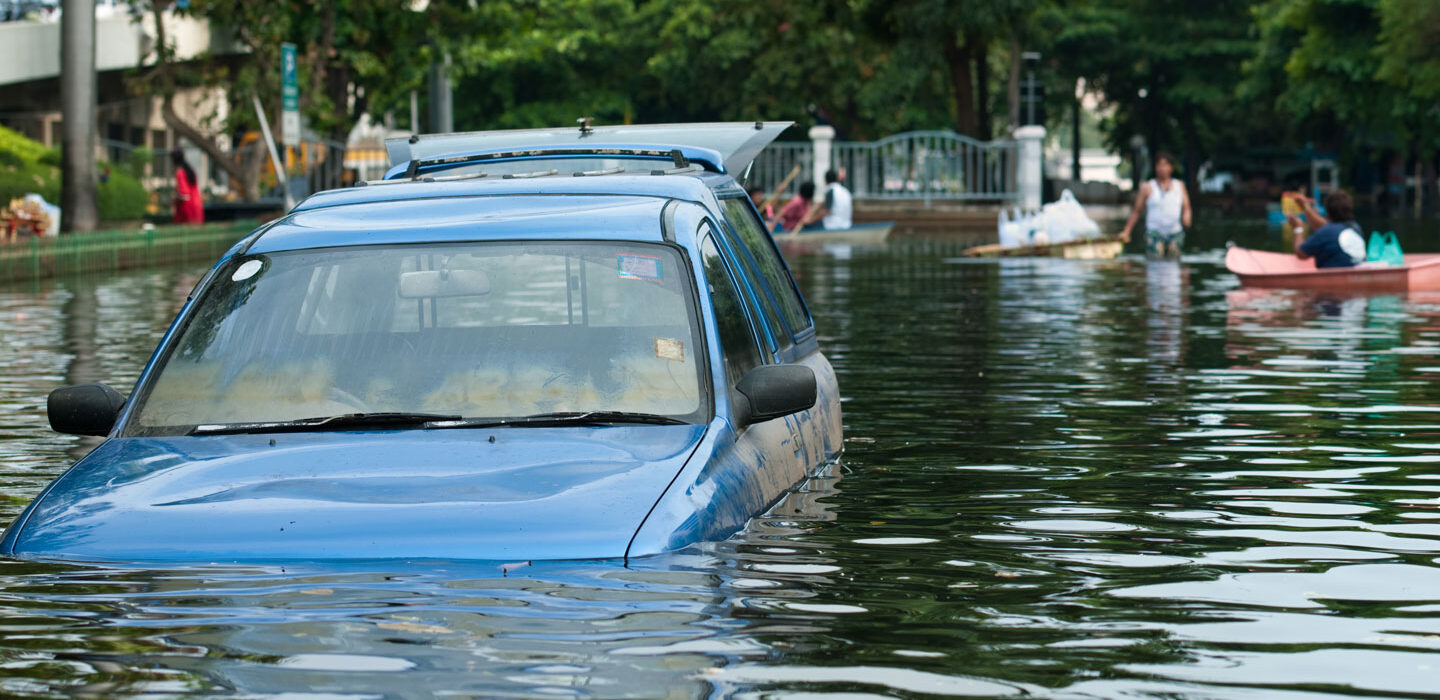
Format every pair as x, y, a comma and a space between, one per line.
822, 138
1029, 164
78, 182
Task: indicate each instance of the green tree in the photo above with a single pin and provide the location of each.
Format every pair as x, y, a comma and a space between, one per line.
355, 56
1167, 69
552, 61
960, 37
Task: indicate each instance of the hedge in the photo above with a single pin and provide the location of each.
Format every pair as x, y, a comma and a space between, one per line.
29, 166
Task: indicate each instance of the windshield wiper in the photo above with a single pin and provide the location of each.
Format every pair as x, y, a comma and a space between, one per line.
585, 418
346, 420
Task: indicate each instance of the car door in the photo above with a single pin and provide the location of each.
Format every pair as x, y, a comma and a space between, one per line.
768, 456
778, 304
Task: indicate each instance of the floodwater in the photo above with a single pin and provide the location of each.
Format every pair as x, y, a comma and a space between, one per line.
1063, 479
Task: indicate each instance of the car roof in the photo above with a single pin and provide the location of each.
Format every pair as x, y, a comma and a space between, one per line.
614, 207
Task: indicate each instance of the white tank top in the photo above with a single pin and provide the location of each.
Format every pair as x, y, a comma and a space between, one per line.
1162, 209
841, 209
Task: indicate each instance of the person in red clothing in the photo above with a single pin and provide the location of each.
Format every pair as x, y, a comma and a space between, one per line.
188, 207
795, 210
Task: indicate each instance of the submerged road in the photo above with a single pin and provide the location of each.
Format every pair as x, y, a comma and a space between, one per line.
1063, 479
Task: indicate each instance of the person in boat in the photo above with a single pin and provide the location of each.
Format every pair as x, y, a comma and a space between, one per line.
767, 211
1336, 241
1167, 210
795, 210
835, 211
1292, 204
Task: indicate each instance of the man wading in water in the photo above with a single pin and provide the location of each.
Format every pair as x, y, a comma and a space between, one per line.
1167, 211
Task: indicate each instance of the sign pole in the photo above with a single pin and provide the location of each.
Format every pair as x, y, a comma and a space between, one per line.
274, 155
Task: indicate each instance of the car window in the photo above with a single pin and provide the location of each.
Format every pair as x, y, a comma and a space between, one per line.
761, 306
762, 251
737, 343
482, 330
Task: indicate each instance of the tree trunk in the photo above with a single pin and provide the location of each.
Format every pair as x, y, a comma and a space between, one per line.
980, 50
1419, 185
1431, 191
958, 58
1013, 88
1075, 141
248, 181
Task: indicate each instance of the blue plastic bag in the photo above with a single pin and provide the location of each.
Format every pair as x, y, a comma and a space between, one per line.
1384, 248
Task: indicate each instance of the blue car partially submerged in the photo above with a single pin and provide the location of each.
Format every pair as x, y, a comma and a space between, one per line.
529, 345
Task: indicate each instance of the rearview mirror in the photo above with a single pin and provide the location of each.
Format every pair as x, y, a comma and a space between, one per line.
84, 409
772, 391
427, 284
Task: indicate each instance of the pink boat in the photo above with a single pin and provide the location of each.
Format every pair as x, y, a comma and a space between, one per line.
1257, 268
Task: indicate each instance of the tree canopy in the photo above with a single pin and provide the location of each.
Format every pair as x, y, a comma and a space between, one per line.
1192, 78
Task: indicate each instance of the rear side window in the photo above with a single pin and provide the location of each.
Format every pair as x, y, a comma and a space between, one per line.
762, 250
736, 341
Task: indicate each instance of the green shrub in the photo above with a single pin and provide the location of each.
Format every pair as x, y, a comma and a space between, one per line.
28, 166
122, 198
17, 181
28, 150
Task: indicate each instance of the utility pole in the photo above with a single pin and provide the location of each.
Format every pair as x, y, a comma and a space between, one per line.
78, 182
442, 103
1075, 135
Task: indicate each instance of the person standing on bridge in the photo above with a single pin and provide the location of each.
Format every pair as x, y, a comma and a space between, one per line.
836, 210
189, 209
1167, 210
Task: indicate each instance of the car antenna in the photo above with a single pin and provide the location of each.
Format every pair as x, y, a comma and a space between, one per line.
585, 128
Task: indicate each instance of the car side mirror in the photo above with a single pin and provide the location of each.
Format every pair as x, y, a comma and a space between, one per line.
84, 409
772, 391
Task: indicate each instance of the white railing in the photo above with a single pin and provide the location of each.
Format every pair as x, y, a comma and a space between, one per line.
929, 165
774, 164
916, 165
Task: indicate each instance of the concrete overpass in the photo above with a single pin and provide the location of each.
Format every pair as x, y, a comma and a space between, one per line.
32, 49
30, 82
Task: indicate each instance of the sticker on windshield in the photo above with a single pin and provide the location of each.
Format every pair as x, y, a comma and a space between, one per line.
246, 270
670, 349
640, 267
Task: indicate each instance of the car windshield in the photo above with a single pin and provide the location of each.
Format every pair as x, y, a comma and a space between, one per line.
475, 331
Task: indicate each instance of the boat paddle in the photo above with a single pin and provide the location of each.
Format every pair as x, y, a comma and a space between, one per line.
779, 189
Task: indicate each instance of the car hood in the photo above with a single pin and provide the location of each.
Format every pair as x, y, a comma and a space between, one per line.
511, 494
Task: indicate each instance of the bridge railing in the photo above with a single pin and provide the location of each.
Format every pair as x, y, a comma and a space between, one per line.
777, 160
929, 165
917, 165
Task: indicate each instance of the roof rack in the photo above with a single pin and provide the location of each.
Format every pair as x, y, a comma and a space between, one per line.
412, 170
526, 176
686, 168
440, 178
595, 173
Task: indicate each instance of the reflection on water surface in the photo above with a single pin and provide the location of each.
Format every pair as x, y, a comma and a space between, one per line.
1064, 478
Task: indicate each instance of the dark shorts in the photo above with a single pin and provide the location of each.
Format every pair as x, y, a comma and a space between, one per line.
1164, 245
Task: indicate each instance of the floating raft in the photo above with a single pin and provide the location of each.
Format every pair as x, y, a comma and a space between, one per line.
864, 233
1257, 268
1087, 249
